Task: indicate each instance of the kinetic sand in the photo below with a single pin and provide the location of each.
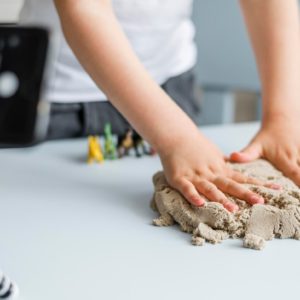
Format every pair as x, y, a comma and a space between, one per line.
279, 217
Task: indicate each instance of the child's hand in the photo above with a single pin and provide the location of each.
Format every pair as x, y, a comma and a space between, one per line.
197, 167
278, 141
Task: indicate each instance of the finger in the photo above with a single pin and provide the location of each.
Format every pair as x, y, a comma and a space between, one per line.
250, 153
298, 158
289, 168
190, 193
226, 158
235, 189
211, 192
241, 178
292, 171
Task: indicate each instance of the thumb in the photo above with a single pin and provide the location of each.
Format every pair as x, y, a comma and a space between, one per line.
250, 153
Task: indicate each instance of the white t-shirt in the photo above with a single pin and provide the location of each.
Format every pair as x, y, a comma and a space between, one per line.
160, 31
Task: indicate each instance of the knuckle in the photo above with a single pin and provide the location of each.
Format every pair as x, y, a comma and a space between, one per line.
209, 189
228, 185
248, 194
221, 200
218, 180
252, 180
176, 180
244, 179
199, 172
185, 189
188, 191
297, 180
248, 180
294, 171
290, 153
200, 182
236, 174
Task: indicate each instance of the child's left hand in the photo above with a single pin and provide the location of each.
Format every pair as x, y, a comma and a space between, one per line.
278, 141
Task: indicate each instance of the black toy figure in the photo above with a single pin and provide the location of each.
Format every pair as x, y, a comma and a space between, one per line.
131, 139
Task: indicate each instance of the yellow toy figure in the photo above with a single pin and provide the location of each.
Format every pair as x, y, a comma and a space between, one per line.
94, 151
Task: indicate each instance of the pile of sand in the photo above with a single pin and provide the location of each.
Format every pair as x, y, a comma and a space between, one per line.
279, 217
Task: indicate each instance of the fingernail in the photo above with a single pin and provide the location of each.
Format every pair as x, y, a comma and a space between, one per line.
274, 186
232, 207
235, 208
240, 153
197, 201
201, 203
257, 200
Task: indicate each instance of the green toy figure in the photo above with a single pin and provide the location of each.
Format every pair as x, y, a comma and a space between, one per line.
109, 146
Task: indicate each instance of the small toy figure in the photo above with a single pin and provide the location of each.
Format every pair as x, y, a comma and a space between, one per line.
131, 139
8, 289
109, 146
125, 143
94, 151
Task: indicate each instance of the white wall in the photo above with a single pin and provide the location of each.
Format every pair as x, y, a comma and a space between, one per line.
9, 10
225, 56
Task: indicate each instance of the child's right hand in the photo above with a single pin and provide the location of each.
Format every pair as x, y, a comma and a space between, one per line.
197, 168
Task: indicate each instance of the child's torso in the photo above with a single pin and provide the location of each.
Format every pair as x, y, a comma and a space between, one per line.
160, 32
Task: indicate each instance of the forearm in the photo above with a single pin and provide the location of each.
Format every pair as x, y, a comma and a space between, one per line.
274, 30
96, 38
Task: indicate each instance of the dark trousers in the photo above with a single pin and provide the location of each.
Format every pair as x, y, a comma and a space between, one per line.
71, 120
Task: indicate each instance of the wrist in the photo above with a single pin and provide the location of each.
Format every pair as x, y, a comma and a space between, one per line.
280, 118
281, 112
176, 139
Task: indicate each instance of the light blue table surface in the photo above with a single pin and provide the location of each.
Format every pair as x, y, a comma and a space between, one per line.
70, 231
